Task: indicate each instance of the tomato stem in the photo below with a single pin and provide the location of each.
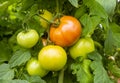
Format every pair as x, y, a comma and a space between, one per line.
24, 26
98, 44
57, 8
61, 75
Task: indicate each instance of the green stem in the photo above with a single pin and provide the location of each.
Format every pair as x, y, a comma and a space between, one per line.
46, 19
61, 75
24, 26
98, 44
57, 8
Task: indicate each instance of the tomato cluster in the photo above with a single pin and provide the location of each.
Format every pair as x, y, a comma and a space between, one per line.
67, 33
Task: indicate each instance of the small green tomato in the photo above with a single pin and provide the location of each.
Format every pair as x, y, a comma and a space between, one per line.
27, 39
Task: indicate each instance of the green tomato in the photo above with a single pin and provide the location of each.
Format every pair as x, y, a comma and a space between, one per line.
52, 57
34, 68
48, 16
82, 47
27, 39
12, 15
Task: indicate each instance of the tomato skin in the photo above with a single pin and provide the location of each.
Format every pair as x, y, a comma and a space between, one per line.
67, 32
48, 16
52, 57
27, 39
34, 68
82, 47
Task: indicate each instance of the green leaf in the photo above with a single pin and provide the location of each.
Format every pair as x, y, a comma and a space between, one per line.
115, 28
95, 8
114, 69
3, 7
95, 56
5, 51
109, 6
109, 43
36, 79
100, 74
5, 72
116, 37
74, 3
82, 72
19, 57
116, 34
26, 4
32, 12
80, 11
33, 79
89, 24
13, 81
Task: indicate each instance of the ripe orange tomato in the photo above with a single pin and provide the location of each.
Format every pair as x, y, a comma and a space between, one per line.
67, 32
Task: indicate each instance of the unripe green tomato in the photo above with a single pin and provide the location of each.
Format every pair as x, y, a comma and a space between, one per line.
34, 68
27, 39
12, 15
48, 16
52, 57
82, 47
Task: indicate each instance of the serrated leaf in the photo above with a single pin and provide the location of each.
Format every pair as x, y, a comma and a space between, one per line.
74, 3
13, 81
33, 79
82, 74
36, 79
95, 56
89, 24
96, 8
19, 58
109, 8
100, 74
5, 72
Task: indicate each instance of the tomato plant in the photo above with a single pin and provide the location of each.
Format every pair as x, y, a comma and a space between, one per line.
34, 68
82, 47
46, 15
67, 32
27, 38
52, 58
59, 33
